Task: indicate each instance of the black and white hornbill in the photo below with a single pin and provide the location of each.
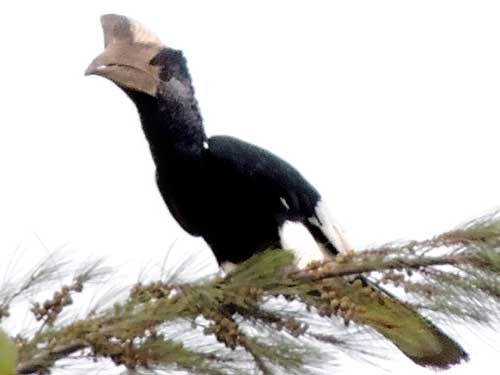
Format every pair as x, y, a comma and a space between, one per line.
237, 196
240, 198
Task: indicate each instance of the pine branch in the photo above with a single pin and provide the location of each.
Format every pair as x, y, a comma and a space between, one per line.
47, 358
456, 274
333, 269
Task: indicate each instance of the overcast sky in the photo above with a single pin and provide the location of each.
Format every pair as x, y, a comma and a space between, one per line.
390, 108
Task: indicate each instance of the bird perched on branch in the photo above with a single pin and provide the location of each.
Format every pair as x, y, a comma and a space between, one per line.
240, 198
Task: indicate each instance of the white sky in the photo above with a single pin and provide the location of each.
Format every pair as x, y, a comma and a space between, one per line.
389, 107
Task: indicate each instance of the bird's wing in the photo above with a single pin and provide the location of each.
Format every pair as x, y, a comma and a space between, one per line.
300, 201
413, 334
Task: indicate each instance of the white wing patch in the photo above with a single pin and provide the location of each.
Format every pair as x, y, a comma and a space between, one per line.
331, 229
295, 237
284, 203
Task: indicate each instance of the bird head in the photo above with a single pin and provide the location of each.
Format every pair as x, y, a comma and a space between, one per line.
136, 60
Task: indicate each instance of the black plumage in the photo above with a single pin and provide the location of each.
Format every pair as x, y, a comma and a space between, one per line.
235, 195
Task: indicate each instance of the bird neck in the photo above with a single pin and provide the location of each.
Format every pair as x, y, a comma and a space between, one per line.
173, 126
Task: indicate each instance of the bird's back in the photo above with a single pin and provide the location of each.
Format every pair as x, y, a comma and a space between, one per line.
250, 193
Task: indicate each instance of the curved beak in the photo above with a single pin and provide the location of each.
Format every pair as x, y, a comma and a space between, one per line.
96, 66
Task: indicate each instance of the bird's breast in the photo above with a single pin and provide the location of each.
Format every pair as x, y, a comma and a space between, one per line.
183, 192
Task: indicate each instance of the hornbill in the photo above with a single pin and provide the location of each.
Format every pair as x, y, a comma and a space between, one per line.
240, 198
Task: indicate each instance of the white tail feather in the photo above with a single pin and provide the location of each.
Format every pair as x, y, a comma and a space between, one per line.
331, 228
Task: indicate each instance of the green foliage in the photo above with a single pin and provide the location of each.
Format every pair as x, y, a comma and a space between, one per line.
8, 355
455, 274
